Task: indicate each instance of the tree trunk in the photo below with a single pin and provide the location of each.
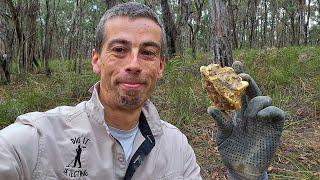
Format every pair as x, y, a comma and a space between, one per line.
253, 10
319, 12
19, 33
195, 26
183, 28
73, 33
318, 41
151, 3
80, 37
301, 18
293, 33
221, 33
5, 42
47, 39
169, 27
244, 26
272, 23
233, 26
31, 34
306, 25
110, 3
265, 24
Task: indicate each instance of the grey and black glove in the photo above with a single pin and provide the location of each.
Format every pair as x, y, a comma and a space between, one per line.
247, 141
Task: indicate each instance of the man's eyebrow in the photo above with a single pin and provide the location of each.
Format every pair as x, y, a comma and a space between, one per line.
151, 43
118, 41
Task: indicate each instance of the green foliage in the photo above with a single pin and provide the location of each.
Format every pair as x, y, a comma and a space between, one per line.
281, 72
181, 90
291, 76
40, 93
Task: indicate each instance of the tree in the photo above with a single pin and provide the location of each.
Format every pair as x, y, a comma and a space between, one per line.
233, 25
301, 19
64, 30
306, 25
6, 38
169, 27
110, 3
18, 29
244, 23
30, 35
252, 4
221, 33
318, 12
47, 38
183, 28
265, 23
195, 23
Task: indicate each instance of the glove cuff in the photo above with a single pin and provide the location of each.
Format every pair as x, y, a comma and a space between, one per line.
234, 176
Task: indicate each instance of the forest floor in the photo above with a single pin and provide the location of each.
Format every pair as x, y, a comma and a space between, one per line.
291, 76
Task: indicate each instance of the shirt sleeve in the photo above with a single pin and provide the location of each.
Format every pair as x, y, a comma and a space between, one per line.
18, 151
191, 167
9, 166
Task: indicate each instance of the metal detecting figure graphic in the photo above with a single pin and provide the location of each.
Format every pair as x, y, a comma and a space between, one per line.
77, 159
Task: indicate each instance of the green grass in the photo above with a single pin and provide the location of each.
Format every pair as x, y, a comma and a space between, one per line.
181, 90
281, 71
37, 92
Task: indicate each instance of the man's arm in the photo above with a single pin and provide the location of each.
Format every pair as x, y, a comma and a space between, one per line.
191, 168
18, 151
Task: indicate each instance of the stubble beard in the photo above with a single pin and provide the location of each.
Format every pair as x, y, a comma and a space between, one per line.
134, 99
130, 100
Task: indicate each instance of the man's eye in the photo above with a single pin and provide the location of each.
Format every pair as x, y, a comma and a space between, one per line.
119, 49
147, 53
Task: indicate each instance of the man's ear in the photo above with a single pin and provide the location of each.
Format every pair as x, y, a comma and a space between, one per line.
95, 61
161, 70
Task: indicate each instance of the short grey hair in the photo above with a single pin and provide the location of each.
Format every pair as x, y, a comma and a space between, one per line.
132, 10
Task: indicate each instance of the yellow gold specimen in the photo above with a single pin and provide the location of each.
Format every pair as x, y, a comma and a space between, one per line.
224, 87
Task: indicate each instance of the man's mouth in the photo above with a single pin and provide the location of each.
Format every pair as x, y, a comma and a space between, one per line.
130, 85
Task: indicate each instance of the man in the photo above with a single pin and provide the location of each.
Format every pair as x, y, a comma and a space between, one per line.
118, 132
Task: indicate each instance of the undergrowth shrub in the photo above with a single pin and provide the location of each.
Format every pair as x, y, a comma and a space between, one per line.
288, 75
180, 96
37, 92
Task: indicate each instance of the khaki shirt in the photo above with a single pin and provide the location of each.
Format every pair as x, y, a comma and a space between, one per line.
73, 143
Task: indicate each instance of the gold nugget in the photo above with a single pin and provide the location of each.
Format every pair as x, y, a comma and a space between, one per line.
223, 86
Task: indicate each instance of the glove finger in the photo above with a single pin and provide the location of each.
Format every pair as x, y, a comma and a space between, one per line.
252, 90
244, 104
256, 104
223, 121
238, 67
272, 114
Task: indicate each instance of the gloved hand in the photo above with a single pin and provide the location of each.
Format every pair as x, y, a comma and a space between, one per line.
247, 141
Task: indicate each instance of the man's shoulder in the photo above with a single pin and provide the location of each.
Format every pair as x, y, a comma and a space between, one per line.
166, 126
60, 113
173, 133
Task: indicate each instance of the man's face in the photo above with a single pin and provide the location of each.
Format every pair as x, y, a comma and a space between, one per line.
129, 63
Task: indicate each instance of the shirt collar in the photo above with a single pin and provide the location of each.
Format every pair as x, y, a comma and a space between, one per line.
96, 111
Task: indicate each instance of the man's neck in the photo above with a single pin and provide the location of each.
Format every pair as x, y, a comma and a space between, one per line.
124, 120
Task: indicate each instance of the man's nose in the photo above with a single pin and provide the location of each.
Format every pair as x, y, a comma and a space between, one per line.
134, 66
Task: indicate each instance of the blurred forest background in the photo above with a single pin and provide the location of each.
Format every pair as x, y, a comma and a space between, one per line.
45, 49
